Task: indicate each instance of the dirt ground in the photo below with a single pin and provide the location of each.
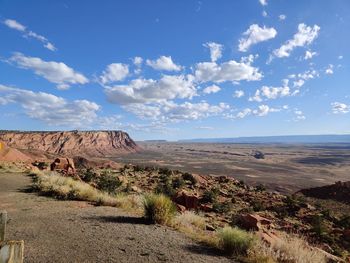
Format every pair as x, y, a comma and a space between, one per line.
286, 168
71, 231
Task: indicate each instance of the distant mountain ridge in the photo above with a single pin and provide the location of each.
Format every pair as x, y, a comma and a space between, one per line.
72, 143
343, 138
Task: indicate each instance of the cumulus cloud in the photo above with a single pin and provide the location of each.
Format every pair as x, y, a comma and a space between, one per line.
269, 93
114, 72
263, 2
261, 110
211, 89
305, 36
13, 24
55, 72
173, 112
215, 50
282, 17
137, 61
254, 35
149, 90
238, 94
50, 109
329, 70
163, 63
338, 108
228, 71
309, 54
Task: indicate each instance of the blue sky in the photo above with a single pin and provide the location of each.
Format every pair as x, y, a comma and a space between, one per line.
176, 69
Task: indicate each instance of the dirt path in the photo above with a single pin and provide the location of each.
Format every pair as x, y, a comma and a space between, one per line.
70, 231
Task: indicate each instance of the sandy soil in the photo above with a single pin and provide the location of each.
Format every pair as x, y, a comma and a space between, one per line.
70, 231
286, 168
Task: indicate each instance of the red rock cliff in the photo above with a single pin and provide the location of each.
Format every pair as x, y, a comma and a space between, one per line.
85, 143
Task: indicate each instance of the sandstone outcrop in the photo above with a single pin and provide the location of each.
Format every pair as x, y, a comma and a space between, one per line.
72, 143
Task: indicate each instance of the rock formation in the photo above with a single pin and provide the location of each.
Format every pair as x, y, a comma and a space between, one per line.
71, 143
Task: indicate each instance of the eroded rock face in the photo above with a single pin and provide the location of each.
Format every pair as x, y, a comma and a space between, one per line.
71, 143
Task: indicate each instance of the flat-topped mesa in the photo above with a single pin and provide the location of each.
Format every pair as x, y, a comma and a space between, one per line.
71, 143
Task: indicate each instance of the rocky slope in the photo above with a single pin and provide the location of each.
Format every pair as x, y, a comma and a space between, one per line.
71, 143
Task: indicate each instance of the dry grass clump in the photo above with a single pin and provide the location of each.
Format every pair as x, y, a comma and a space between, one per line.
296, 250
158, 208
8, 167
189, 220
52, 184
235, 241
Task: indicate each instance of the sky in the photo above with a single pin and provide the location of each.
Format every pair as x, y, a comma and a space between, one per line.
176, 69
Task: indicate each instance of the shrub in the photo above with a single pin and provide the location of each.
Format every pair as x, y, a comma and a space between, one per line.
258, 206
221, 207
138, 168
260, 188
294, 249
166, 188
164, 171
189, 177
209, 196
88, 175
108, 183
234, 241
158, 208
318, 225
189, 220
178, 182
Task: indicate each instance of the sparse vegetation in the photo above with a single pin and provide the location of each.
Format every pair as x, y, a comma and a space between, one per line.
209, 196
60, 187
234, 241
158, 208
189, 177
108, 182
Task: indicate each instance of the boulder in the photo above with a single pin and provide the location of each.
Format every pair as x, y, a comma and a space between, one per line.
254, 222
180, 208
188, 200
269, 237
65, 165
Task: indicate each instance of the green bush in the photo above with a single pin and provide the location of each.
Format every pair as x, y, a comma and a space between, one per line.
209, 196
108, 183
166, 188
178, 182
318, 225
260, 188
189, 177
165, 171
158, 208
89, 175
234, 241
221, 207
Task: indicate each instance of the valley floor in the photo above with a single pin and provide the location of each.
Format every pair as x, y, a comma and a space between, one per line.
72, 231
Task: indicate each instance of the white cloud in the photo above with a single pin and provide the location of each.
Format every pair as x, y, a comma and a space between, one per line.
309, 54
305, 36
228, 71
299, 115
55, 72
211, 89
173, 112
264, 13
238, 94
298, 83
261, 111
282, 17
244, 113
254, 35
215, 50
340, 57
271, 92
50, 46
329, 70
137, 61
263, 2
163, 63
114, 72
205, 128
50, 109
338, 107
14, 25
149, 90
